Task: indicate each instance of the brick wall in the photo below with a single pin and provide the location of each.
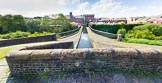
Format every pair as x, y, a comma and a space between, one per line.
35, 62
28, 40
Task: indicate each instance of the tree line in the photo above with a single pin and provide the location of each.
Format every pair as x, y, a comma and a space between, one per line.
13, 23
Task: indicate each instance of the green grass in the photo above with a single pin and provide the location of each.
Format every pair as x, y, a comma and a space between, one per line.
5, 51
143, 41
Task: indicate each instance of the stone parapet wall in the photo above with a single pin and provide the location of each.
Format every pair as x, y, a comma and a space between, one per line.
52, 45
35, 62
106, 34
28, 40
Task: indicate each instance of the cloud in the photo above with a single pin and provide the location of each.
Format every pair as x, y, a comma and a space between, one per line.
75, 1
104, 8
38, 7
156, 9
101, 8
82, 8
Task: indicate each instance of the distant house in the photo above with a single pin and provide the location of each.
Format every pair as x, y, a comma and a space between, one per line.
38, 17
82, 19
112, 20
151, 20
88, 18
133, 19
141, 20
144, 20
158, 21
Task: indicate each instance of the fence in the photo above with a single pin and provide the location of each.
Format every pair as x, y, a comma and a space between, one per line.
106, 34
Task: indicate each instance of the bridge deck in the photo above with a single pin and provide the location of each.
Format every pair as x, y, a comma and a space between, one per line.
104, 42
4, 70
98, 42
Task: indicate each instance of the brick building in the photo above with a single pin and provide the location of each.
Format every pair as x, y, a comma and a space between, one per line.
82, 19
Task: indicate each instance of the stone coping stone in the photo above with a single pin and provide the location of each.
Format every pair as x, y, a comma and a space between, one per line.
23, 54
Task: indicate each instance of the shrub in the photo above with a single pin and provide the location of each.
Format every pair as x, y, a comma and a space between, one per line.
19, 34
158, 38
122, 31
143, 41
143, 34
114, 27
154, 28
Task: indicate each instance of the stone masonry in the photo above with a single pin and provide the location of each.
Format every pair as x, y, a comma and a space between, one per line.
37, 60
28, 40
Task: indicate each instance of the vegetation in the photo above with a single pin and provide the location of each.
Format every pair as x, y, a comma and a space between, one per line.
5, 51
9, 23
142, 34
122, 31
147, 31
114, 27
20, 34
135, 33
16, 26
143, 41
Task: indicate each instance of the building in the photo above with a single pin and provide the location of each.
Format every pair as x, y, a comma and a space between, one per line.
158, 21
38, 17
88, 18
84, 19
133, 20
112, 20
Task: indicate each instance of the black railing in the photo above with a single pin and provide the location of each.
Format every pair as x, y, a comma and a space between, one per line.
106, 34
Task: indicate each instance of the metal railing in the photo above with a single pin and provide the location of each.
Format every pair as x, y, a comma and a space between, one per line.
106, 34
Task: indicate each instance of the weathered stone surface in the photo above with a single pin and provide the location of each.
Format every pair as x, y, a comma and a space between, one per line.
57, 45
28, 40
38, 61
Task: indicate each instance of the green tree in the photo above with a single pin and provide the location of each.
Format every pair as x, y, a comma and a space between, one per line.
9, 23
19, 23
6, 23
45, 21
142, 34
33, 25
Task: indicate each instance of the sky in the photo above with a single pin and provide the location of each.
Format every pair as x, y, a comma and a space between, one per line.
101, 8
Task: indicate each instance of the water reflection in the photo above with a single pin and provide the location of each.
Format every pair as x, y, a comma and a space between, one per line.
84, 41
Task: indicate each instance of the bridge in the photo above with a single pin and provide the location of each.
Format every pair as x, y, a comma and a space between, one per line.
63, 55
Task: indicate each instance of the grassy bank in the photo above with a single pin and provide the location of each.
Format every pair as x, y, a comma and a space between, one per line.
143, 41
5, 51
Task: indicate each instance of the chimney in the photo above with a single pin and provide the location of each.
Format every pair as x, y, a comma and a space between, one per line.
71, 14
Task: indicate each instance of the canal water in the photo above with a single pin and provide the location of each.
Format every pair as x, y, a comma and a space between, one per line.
84, 41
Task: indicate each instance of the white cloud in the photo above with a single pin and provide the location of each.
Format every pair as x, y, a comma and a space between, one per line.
105, 8
37, 7
75, 1
101, 8
155, 9
82, 8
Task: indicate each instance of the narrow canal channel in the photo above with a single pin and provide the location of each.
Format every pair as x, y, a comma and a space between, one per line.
84, 41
